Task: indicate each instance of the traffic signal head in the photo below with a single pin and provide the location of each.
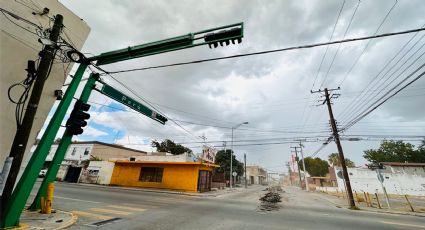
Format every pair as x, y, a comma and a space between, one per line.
224, 37
77, 118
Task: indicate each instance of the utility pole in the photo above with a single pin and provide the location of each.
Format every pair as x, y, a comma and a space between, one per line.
231, 151
298, 167
305, 172
47, 56
338, 144
289, 171
231, 162
224, 146
244, 159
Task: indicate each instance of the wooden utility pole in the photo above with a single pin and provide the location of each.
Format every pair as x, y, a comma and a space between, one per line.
339, 147
244, 158
47, 56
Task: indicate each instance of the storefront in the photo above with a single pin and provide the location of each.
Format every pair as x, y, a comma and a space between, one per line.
179, 176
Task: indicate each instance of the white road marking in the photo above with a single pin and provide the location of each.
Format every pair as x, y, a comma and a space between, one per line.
67, 198
403, 224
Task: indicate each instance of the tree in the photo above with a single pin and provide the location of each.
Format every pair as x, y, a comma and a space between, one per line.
169, 146
223, 159
315, 166
396, 151
334, 161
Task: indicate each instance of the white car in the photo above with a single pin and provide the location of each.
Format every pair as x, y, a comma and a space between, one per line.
42, 173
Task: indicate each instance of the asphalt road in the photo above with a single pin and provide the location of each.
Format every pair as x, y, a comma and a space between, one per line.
96, 206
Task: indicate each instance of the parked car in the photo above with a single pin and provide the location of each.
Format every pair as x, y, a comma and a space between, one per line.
42, 173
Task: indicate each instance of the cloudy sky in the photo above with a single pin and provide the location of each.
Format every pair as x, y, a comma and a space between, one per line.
270, 91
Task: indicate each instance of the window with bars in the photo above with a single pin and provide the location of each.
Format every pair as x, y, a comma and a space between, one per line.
151, 174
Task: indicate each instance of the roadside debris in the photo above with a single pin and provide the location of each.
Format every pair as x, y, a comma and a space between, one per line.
270, 200
271, 197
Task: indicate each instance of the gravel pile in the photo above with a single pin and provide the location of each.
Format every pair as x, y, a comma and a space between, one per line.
271, 197
269, 202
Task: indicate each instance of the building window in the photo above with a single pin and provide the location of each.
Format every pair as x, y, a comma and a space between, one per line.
87, 151
74, 150
151, 174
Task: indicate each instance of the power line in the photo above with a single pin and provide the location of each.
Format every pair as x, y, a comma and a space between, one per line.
376, 94
327, 47
268, 51
367, 44
375, 80
339, 45
141, 98
320, 67
365, 113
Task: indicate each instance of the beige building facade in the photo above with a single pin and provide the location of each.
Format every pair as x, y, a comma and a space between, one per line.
256, 175
18, 44
84, 158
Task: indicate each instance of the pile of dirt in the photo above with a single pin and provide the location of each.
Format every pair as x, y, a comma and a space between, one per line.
269, 202
271, 197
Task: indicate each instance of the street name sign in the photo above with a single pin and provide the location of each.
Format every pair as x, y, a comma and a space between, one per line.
130, 102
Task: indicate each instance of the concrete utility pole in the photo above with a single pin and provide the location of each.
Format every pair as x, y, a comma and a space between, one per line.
298, 167
305, 174
339, 146
231, 151
289, 171
47, 56
244, 159
231, 162
224, 148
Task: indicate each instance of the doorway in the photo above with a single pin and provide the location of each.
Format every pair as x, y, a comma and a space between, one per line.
73, 174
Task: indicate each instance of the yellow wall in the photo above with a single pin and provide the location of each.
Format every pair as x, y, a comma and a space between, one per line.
183, 177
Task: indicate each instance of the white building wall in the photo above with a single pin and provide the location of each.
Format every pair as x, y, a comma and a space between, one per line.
98, 172
163, 158
78, 152
17, 46
397, 180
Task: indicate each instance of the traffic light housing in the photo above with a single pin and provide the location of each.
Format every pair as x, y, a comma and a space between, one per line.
224, 37
78, 117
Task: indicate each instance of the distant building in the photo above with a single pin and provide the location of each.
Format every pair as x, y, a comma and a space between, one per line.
79, 154
256, 175
398, 178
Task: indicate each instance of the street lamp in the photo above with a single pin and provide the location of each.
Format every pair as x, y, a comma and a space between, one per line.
231, 154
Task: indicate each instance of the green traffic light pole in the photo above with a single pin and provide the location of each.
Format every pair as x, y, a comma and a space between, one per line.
61, 150
23, 189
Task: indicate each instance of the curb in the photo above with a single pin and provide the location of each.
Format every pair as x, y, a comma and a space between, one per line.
145, 190
72, 221
21, 226
392, 212
381, 212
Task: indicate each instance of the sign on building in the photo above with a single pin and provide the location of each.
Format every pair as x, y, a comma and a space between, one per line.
208, 154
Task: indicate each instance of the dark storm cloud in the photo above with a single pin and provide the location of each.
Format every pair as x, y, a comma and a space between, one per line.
270, 91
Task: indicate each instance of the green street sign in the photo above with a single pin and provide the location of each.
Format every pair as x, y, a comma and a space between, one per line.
130, 102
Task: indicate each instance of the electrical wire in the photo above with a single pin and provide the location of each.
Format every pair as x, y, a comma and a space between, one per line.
383, 88
267, 51
377, 78
327, 47
367, 44
371, 109
149, 103
339, 45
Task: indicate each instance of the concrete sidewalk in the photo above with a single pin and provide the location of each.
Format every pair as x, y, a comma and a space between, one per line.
56, 220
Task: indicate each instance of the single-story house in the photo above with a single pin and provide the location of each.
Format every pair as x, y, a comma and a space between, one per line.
180, 176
